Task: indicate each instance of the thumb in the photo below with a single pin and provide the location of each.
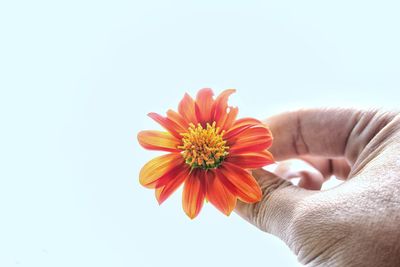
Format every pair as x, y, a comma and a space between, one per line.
279, 206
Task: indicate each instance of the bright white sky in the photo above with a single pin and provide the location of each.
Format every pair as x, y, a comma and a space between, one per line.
78, 77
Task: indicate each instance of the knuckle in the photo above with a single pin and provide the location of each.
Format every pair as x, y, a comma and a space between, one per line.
263, 210
371, 132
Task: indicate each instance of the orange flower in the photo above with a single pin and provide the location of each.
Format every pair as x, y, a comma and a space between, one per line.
210, 153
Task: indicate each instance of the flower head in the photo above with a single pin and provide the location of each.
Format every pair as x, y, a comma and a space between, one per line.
210, 152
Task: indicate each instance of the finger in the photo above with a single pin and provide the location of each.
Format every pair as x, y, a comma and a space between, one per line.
325, 132
310, 180
310, 177
338, 167
277, 208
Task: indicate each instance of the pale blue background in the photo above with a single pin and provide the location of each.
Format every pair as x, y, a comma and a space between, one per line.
78, 77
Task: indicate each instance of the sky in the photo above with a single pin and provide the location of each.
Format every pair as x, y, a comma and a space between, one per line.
77, 79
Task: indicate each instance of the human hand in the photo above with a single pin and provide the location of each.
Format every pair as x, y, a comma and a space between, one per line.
354, 224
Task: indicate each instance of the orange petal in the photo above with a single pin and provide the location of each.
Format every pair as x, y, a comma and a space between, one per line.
250, 140
220, 106
170, 175
168, 124
239, 182
158, 167
178, 119
156, 140
219, 195
230, 118
204, 101
251, 160
194, 193
187, 109
240, 125
163, 192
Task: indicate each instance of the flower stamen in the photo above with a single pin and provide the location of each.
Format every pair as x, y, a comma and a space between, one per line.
204, 147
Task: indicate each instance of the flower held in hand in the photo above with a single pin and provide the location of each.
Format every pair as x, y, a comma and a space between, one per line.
210, 152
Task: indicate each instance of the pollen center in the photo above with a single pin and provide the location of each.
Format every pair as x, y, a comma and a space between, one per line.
204, 147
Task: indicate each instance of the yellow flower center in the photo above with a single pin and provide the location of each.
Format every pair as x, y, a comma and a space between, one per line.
204, 147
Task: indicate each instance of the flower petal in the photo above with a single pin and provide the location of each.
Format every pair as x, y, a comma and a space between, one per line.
156, 140
252, 160
187, 109
168, 124
219, 195
170, 175
204, 102
194, 193
230, 118
239, 182
240, 125
158, 167
163, 192
220, 106
250, 140
178, 119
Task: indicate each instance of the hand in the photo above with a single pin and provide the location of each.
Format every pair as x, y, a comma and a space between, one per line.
354, 224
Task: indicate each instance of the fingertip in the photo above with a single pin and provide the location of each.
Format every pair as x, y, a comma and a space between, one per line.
310, 180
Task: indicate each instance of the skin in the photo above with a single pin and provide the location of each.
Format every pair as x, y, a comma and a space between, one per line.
354, 224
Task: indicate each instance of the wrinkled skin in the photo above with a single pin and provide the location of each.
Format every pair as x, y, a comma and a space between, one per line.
354, 224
